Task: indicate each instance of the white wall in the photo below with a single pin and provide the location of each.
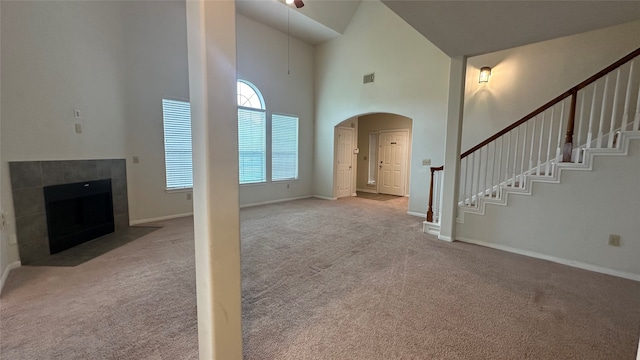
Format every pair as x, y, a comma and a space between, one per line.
527, 77
411, 80
262, 60
156, 67
572, 220
57, 56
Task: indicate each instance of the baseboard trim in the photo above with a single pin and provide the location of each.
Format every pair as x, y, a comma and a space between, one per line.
413, 213
445, 238
7, 270
274, 201
572, 263
325, 197
160, 218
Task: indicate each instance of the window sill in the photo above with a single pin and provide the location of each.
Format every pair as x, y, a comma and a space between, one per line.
285, 181
180, 190
253, 184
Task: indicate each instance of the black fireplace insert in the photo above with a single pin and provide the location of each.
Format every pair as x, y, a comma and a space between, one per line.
78, 212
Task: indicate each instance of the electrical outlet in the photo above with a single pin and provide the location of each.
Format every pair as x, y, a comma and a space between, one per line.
288, 186
76, 113
189, 196
614, 240
136, 160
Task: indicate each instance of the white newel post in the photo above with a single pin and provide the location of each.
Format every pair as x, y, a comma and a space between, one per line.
212, 86
450, 184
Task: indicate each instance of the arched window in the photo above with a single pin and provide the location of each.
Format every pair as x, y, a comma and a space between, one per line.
252, 142
249, 96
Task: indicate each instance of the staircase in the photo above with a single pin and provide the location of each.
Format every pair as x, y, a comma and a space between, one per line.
598, 117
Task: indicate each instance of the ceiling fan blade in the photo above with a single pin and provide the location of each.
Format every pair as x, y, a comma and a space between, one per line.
298, 3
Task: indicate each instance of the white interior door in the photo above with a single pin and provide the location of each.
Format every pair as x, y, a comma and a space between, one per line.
392, 170
344, 161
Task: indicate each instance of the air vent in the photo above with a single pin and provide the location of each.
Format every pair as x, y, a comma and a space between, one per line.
369, 78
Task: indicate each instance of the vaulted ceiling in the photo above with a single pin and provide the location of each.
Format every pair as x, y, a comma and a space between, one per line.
456, 27
478, 27
316, 22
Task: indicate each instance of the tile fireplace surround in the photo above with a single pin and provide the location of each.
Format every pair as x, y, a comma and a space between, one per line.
28, 178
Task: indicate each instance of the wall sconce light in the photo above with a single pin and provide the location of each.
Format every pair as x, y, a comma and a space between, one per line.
485, 73
297, 3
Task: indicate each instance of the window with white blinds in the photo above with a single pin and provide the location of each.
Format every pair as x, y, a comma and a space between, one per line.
284, 147
177, 144
252, 134
252, 145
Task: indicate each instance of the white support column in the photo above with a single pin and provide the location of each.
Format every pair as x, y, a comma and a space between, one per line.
211, 32
457, 75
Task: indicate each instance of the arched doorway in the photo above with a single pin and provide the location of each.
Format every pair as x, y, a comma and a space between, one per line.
373, 155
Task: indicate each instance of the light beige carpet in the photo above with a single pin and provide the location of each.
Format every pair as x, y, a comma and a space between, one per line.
348, 279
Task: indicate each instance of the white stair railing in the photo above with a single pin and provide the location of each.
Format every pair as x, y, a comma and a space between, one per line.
600, 107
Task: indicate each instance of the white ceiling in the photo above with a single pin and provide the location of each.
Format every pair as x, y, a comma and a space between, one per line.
478, 27
456, 27
316, 22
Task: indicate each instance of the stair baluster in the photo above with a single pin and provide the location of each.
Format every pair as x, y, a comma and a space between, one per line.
636, 121
592, 116
614, 111
547, 166
627, 99
524, 150
603, 108
580, 122
567, 149
499, 167
540, 145
533, 139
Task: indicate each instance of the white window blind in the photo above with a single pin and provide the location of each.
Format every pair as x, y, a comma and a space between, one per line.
177, 143
373, 158
284, 147
252, 145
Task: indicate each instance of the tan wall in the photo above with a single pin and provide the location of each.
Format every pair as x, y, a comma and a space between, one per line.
375, 123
